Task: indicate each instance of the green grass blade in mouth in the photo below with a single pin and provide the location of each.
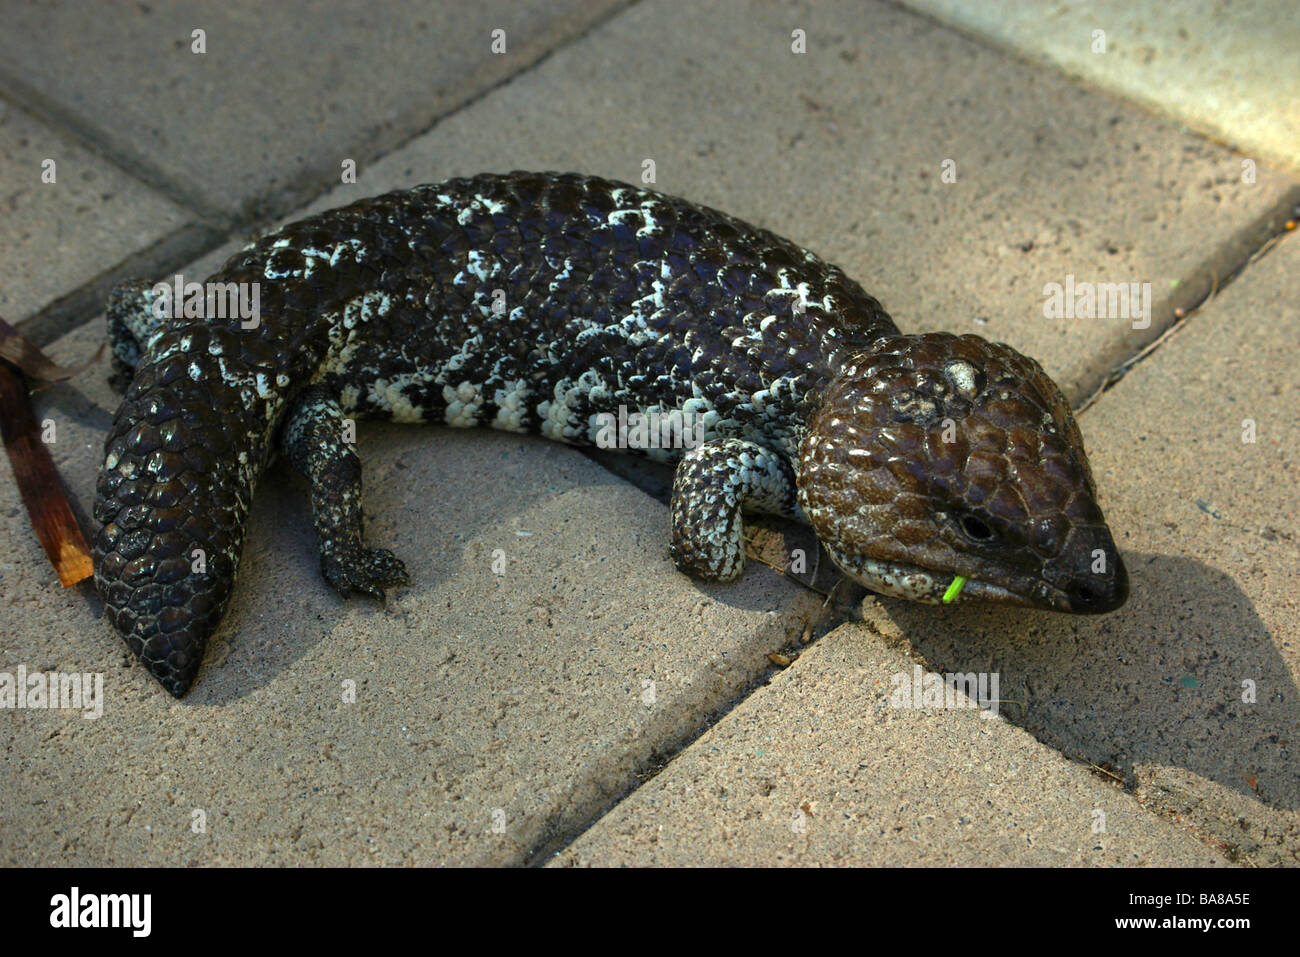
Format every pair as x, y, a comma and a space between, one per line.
950, 596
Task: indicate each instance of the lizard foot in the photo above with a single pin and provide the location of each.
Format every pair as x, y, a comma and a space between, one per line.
365, 570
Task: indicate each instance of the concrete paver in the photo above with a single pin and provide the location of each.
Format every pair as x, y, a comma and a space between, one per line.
57, 236
1230, 70
1210, 422
280, 96
819, 767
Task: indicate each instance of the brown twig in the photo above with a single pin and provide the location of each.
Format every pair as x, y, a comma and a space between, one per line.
34, 471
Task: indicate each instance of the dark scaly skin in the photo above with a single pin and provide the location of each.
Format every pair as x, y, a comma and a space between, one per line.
533, 302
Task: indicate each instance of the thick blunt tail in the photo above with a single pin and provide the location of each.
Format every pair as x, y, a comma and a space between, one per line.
166, 573
170, 508
169, 638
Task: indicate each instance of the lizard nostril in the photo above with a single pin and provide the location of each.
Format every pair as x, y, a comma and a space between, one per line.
1085, 595
1094, 596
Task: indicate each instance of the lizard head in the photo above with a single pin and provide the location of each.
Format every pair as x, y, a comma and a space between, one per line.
936, 456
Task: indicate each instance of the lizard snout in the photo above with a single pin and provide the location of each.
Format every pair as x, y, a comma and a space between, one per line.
1098, 580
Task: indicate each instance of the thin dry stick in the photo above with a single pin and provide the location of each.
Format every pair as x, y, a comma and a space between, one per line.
38, 482
1108, 774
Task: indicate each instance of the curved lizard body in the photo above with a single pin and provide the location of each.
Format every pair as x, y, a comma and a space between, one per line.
541, 302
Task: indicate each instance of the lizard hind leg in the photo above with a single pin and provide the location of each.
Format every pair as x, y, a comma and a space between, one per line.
715, 483
131, 324
317, 443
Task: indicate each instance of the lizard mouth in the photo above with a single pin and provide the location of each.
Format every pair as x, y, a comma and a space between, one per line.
936, 586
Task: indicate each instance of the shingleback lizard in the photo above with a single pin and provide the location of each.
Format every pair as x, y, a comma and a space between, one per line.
535, 302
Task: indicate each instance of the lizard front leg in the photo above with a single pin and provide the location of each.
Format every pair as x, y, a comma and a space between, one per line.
715, 483
313, 440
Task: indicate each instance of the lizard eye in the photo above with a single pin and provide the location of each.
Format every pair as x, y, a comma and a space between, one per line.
975, 529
